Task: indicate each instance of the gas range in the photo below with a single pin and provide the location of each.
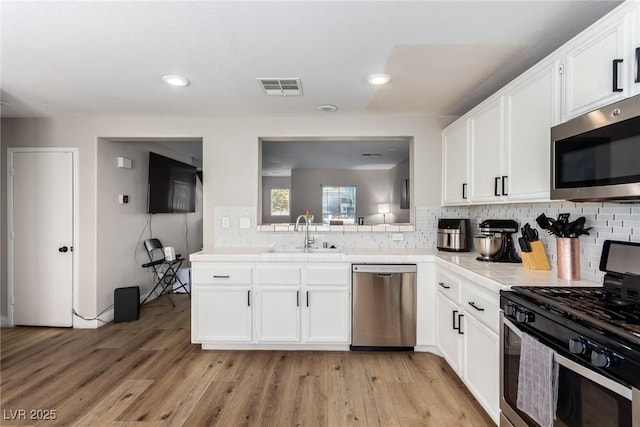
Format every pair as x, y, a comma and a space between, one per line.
594, 335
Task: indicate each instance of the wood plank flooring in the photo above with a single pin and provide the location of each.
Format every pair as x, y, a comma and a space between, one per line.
147, 373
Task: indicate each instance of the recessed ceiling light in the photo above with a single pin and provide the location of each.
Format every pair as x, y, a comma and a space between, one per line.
175, 80
378, 79
327, 108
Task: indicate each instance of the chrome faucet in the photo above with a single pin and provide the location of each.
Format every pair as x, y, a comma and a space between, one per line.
307, 240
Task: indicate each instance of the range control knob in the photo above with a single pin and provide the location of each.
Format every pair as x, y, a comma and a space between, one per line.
600, 359
524, 316
578, 345
509, 310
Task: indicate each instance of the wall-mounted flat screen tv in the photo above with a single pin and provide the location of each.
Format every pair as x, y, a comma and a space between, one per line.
172, 185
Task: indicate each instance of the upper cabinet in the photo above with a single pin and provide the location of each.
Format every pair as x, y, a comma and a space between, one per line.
455, 160
600, 65
488, 178
508, 135
532, 105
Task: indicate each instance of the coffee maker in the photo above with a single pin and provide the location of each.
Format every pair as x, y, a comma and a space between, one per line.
500, 229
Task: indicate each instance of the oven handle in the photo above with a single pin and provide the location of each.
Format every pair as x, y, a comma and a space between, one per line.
579, 369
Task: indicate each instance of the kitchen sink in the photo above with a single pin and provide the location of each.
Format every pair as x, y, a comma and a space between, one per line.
276, 250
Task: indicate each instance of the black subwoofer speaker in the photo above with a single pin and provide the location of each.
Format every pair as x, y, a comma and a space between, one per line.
126, 304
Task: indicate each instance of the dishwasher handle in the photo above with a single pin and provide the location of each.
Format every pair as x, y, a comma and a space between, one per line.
384, 269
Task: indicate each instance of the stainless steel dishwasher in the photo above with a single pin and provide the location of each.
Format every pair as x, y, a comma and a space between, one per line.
383, 307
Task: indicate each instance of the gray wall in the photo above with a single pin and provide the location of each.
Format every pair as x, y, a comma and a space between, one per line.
372, 187
397, 175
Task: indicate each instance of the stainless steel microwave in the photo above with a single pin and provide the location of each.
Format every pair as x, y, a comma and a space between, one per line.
596, 156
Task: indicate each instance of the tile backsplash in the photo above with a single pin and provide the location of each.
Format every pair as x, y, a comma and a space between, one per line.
609, 221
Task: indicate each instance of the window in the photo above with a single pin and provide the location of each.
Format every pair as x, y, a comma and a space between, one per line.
339, 203
279, 202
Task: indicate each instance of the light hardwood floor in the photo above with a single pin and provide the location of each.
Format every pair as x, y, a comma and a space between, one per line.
147, 373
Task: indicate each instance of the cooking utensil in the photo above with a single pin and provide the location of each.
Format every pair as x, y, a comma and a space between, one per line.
524, 244
573, 228
564, 217
543, 222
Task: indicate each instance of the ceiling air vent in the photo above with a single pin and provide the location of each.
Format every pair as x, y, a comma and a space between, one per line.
281, 87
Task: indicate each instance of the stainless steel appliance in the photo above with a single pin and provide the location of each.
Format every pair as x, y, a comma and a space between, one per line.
595, 156
496, 244
594, 334
454, 235
384, 306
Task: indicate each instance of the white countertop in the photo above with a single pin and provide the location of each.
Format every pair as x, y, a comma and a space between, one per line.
493, 276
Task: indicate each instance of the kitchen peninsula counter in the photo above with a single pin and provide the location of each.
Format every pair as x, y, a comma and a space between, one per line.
493, 276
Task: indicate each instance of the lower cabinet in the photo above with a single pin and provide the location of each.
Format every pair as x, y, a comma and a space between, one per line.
271, 303
449, 337
277, 314
326, 315
221, 313
467, 336
482, 364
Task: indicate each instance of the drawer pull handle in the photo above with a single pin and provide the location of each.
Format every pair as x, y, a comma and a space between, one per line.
460, 316
215, 276
454, 315
473, 304
443, 285
249, 298
297, 298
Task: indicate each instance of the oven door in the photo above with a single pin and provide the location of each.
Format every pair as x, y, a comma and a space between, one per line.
585, 398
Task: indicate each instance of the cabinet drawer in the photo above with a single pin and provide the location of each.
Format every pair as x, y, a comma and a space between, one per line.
482, 306
448, 285
327, 274
222, 273
275, 274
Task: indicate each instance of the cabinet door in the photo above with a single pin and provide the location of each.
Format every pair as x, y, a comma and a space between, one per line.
455, 141
589, 72
481, 365
449, 339
532, 108
277, 314
487, 140
327, 315
221, 314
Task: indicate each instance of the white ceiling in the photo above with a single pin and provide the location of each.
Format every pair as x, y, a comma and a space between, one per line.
106, 57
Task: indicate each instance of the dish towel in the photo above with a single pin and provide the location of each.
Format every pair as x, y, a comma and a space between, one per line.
537, 381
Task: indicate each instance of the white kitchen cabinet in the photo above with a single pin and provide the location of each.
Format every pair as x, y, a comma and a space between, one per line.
326, 303
221, 302
449, 336
468, 326
221, 313
596, 63
326, 315
277, 311
455, 152
532, 108
482, 364
488, 178
277, 302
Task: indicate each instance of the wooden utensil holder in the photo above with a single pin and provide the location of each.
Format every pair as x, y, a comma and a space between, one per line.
537, 258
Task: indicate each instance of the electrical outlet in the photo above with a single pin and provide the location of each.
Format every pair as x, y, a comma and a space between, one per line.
225, 222
245, 223
397, 237
123, 198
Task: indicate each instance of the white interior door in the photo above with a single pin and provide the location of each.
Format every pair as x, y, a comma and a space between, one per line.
41, 228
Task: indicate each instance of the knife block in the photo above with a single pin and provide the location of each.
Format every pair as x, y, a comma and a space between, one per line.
537, 258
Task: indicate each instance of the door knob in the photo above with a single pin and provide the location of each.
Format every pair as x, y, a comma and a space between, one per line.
63, 249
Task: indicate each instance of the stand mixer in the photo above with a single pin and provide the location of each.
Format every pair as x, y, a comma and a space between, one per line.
500, 229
